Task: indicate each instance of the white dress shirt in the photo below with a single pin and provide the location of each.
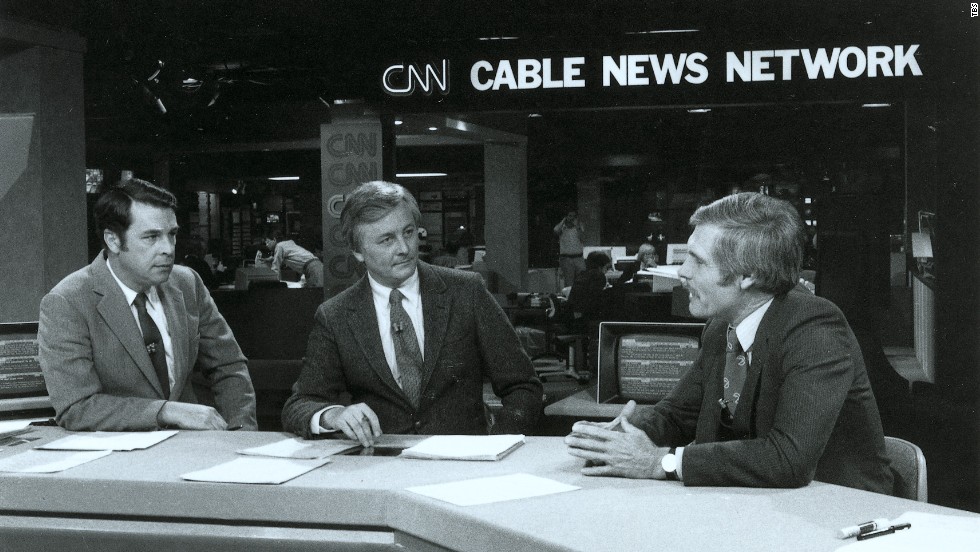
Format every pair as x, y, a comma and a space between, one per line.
745, 332
154, 307
412, 303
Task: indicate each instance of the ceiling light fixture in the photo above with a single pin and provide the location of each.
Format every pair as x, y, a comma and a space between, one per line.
420, 175
433, 128
876, 105
398, 121
699, 110
485, 38
283, 178
662, 31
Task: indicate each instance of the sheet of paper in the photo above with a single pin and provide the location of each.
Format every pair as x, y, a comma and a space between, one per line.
928, 532
486, 490
48, 461
109, 440
255, 470
464, 447
297, 448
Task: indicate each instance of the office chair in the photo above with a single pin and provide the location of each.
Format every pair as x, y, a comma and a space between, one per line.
909, 467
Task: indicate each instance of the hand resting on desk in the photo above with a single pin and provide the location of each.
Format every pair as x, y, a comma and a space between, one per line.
190, 416
357, 421
616, 448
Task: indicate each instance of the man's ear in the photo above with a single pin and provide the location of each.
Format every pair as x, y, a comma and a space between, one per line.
746, 281
359, 256
112, 241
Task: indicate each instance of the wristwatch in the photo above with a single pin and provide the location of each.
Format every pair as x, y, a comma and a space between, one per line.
669, 464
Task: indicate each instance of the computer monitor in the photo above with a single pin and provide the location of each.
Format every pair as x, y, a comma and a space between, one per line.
245, 276
20, 369
643, 361
676, 253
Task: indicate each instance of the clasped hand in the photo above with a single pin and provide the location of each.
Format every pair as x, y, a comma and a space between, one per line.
357, 421
616, 448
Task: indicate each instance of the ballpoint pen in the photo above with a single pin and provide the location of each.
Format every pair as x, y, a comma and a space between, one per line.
883, 532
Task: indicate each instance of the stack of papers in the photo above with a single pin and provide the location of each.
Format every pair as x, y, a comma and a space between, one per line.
464, 447
265, 471
109, 440
48, 461
299, 449
486, 490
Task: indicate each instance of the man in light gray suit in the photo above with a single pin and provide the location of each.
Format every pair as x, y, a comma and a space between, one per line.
408, 347
120, 338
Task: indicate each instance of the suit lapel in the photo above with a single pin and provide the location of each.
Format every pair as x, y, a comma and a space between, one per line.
435, 313
118, 316
714, 360
173, 299
363, 322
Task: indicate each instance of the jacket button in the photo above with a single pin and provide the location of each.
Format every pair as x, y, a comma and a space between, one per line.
418, 425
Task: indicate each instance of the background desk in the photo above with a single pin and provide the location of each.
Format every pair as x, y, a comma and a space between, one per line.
136, 501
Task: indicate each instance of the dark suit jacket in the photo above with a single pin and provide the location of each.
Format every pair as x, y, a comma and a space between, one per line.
95, 365
467, 338
807, 411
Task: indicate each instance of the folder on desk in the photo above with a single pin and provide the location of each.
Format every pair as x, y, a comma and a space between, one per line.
464, 447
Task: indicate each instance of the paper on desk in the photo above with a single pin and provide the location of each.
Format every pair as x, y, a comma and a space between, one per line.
928, 532
464, 447
48, 461
486, 490
109, 440
262, 471
296, 448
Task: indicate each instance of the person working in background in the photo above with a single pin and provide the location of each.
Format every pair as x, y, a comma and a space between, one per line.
407, 348
646, 258
570, 261
778, 396
295, 257
120, 338
588, 303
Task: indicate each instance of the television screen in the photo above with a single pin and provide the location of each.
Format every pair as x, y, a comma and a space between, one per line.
642, 361
20, 369
650, 364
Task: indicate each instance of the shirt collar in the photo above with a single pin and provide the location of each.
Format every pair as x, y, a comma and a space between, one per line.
151, 294
747, 328
409, 288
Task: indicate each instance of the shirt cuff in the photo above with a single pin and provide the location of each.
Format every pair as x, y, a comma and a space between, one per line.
315, 427
679, 454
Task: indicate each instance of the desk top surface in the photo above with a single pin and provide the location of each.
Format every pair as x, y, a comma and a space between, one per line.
355, 491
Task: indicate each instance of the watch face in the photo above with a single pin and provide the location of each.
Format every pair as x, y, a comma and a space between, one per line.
669, 463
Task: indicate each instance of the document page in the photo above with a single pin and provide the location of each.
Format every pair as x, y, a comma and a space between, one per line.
258, 471
464, 447
486, 490
298, 448
48, 461
109, 440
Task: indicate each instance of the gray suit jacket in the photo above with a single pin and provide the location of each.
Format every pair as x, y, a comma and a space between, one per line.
96, 368
467, 338
807, 411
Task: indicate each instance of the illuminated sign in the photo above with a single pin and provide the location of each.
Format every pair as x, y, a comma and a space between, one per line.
401, 79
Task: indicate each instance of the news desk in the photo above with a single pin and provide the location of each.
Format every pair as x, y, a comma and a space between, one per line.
137, 501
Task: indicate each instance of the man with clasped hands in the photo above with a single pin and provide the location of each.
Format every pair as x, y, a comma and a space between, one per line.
787, 402
120, 339
406, 348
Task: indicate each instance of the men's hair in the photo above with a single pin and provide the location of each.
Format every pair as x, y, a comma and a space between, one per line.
597, 259
762, 236
112, 211
371, 202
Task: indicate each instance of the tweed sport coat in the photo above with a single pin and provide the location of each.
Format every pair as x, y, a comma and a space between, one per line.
468, 339
95, 364
807, 410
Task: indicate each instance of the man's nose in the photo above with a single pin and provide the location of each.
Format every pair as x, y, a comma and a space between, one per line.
684, 272
169, 245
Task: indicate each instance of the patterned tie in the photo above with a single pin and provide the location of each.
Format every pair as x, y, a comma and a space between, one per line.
736, 364
154, 344
408, 356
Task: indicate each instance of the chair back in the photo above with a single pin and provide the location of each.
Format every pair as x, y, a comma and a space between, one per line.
908, 465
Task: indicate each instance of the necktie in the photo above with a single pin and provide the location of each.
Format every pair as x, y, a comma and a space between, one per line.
154, 344
736, 364
408, 356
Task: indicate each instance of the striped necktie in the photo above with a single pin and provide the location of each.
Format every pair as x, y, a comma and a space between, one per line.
408, 356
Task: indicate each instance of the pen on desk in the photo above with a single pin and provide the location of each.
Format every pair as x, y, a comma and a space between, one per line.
235, 428
889, 531
862, 528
